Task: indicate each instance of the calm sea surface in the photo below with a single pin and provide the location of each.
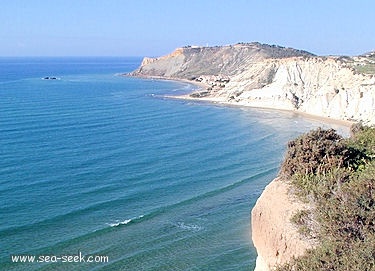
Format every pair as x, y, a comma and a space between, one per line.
101, 164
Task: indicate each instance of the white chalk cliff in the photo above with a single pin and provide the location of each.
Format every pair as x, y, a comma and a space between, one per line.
261, 75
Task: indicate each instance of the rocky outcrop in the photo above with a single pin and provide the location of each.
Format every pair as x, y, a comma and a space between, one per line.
193, 61
260, 75
275, 237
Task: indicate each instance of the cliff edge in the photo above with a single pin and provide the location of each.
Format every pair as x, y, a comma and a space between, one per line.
275, 237
261, 75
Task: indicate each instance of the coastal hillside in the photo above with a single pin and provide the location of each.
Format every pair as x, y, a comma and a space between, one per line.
319, 213
191, 62
254, 74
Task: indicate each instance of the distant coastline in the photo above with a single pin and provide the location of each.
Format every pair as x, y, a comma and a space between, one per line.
327, 120
339, 89
202, 86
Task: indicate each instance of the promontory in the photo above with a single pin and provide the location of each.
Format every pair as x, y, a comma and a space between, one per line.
270, 76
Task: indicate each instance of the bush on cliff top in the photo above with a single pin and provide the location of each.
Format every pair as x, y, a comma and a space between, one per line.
338, 175
320, 151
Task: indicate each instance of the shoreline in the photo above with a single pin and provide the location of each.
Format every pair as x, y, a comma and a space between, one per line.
173, 79
203, 86
327, 120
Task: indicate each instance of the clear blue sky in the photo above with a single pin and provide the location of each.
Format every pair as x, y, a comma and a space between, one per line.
156, 27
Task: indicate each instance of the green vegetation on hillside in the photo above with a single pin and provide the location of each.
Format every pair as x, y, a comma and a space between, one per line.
337, 176
364, 64
366, 68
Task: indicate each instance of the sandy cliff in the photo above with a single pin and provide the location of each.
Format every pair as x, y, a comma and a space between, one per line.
262, 75
275, 237
192, 61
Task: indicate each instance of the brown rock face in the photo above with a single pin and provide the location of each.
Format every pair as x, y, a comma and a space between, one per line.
275, 237
193, 61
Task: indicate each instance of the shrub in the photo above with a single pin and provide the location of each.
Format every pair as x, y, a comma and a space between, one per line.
315, 152
363, 139
313, 187
338, 175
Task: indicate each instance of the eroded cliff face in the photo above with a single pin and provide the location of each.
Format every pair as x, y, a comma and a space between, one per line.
192, 61
274, 77
318, 86
275, 237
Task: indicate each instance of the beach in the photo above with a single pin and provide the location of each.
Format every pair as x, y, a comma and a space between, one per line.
217, 100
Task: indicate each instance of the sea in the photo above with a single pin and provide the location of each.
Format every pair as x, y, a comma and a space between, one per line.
101, 171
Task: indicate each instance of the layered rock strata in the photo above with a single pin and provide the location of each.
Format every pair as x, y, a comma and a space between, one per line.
261, 75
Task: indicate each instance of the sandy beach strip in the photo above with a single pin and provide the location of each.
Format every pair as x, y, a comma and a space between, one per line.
202, 87
214, 100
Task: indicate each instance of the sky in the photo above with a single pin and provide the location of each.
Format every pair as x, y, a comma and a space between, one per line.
157, 27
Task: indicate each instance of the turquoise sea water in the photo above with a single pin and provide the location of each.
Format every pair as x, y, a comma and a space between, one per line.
100, 164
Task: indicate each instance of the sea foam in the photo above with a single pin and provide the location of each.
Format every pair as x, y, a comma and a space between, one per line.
124, 222
189, 227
